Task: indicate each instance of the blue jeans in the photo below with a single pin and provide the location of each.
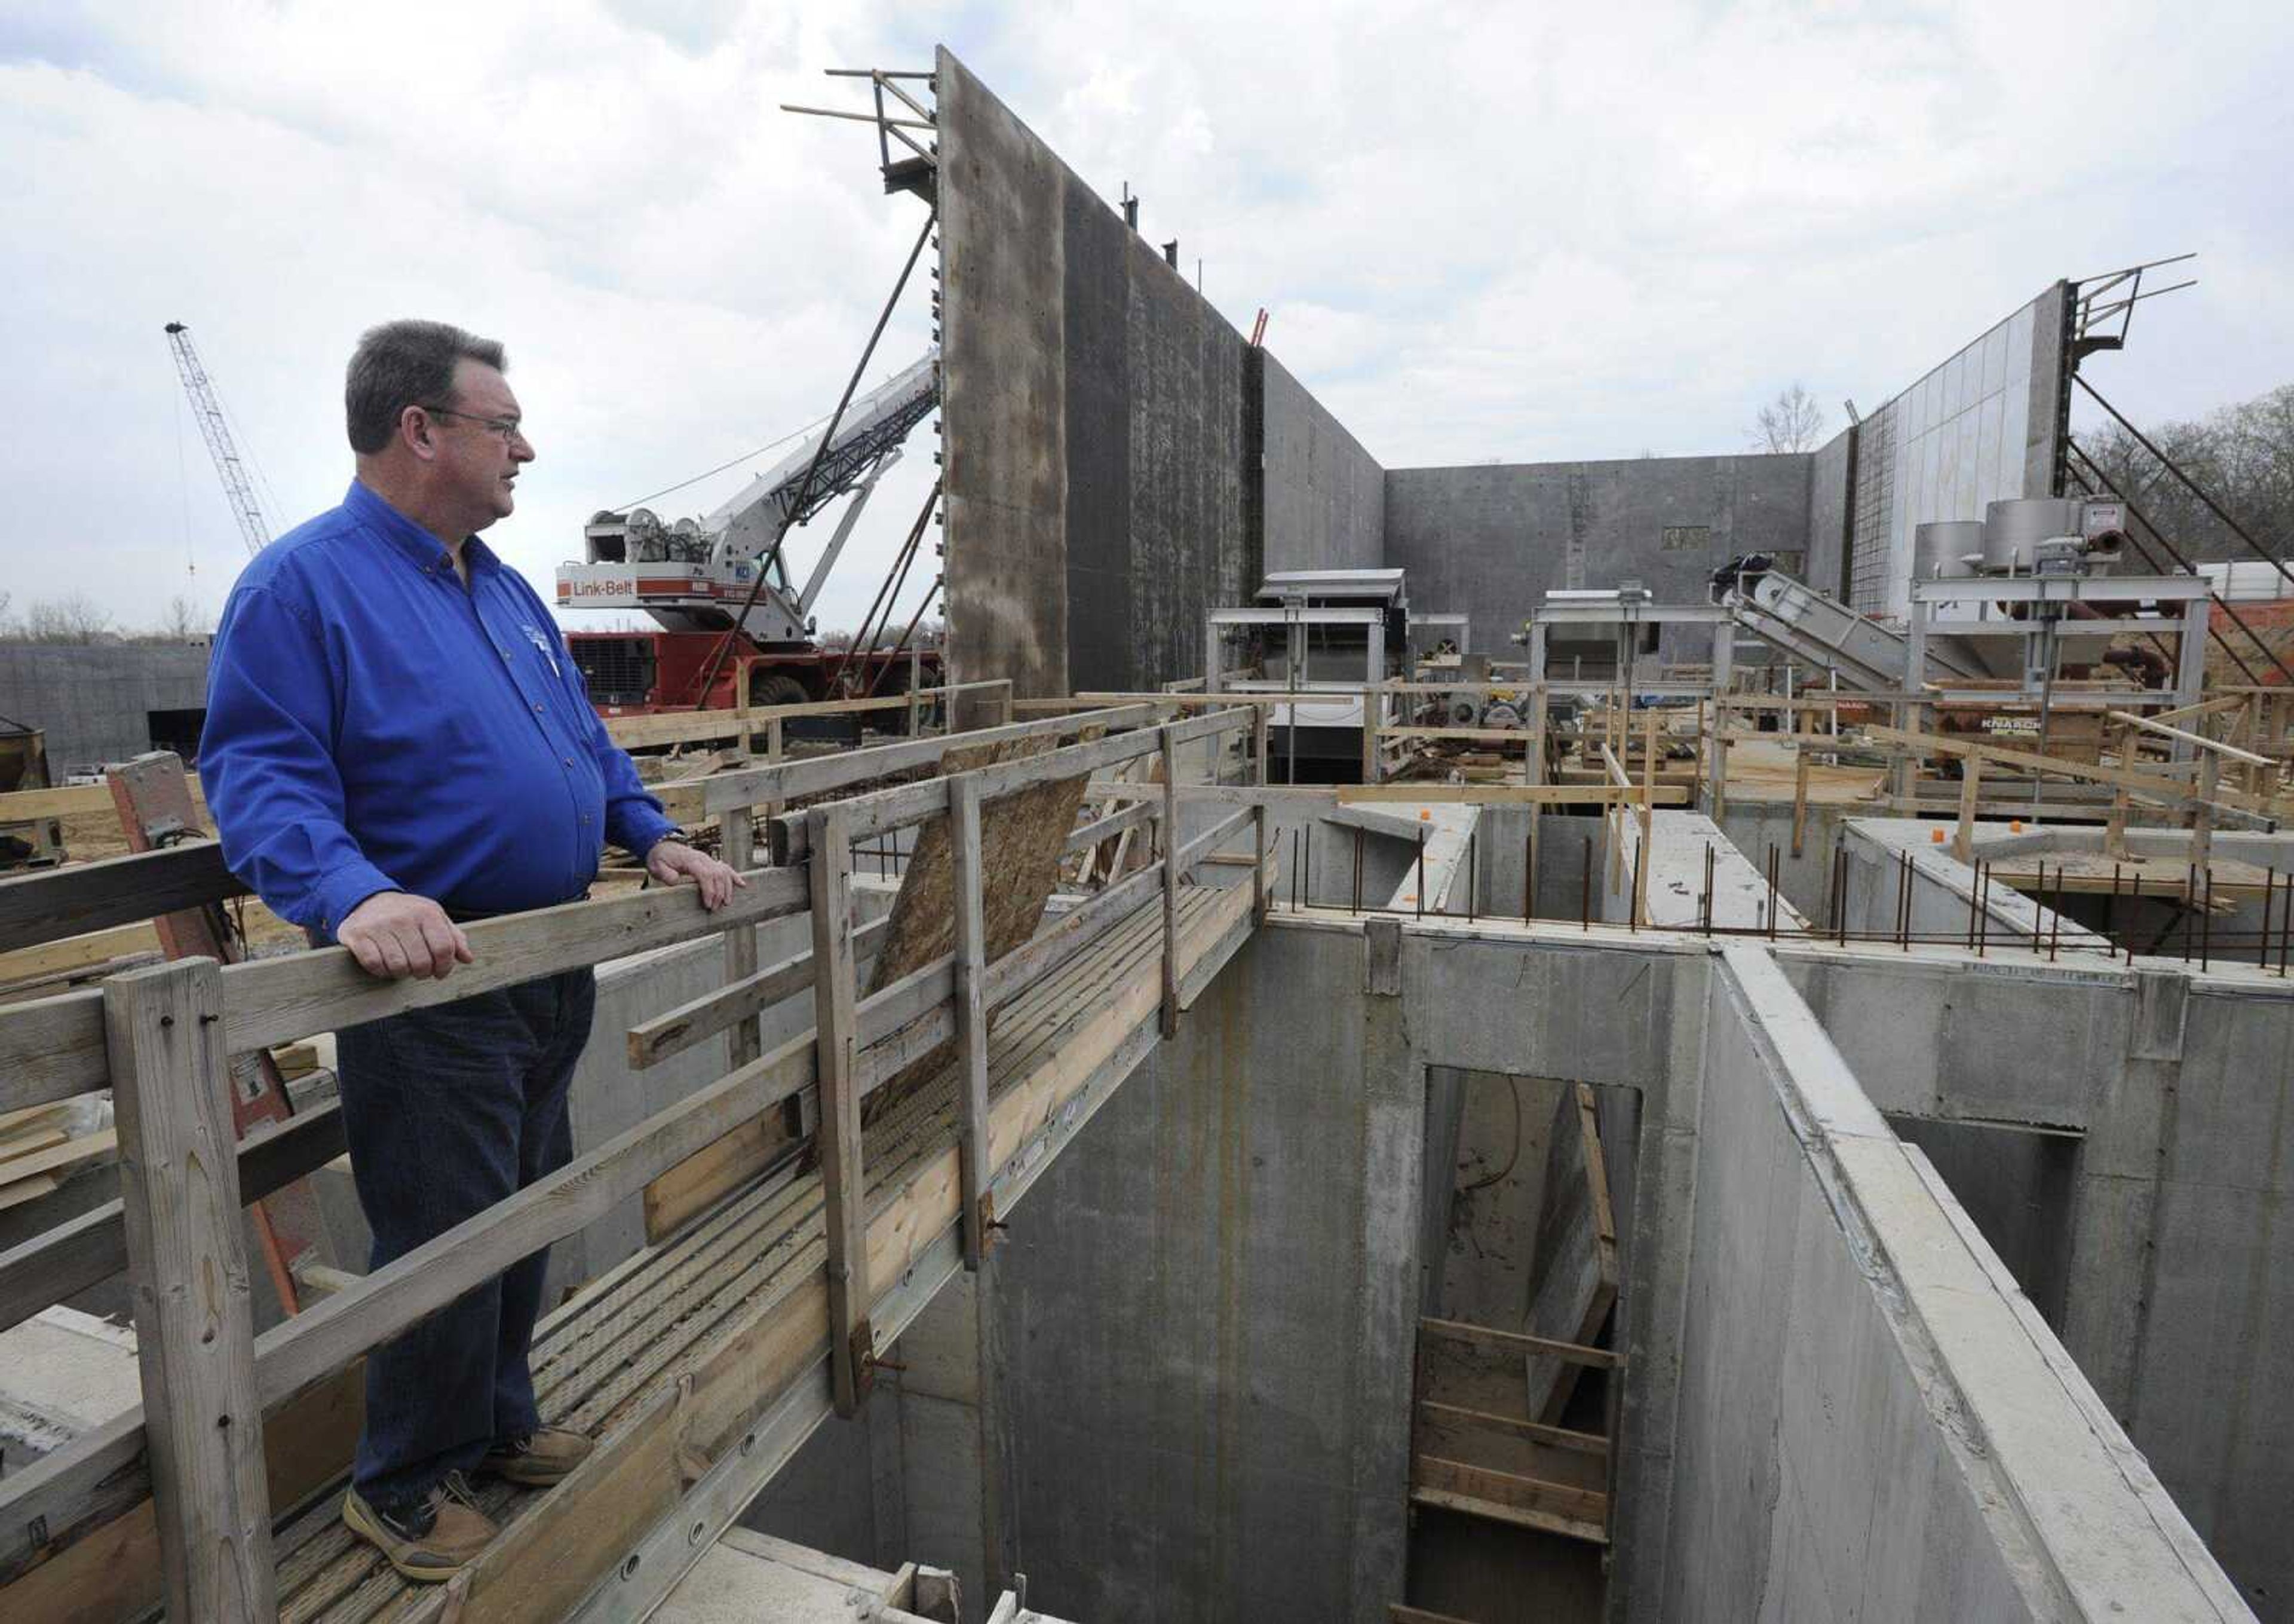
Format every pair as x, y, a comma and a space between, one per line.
448, 1111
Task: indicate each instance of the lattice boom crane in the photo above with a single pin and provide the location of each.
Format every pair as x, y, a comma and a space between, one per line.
237, 489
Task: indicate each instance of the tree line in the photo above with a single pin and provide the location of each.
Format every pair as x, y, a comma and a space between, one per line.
2242, 455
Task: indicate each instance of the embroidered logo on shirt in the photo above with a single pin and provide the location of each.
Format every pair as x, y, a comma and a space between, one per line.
546, 645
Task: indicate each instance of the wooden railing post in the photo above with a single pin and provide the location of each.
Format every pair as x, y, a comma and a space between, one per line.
970, 1011
737, 837
1259, 737
1259, 863
1171, 842
835, 1001
187, 1272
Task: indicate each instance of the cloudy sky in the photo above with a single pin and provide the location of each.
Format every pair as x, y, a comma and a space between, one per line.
1509, 233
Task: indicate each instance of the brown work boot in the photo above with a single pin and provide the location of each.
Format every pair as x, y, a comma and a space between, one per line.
429, 1540
541, 1458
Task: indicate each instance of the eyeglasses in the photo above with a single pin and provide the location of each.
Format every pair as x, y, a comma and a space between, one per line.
509, 428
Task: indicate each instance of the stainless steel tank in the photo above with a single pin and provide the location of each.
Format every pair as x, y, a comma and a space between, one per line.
1940, 551
2011, 528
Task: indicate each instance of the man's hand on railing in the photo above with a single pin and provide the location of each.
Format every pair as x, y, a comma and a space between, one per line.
674, 863
396, 935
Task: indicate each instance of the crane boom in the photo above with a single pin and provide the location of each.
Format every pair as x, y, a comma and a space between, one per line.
237, 489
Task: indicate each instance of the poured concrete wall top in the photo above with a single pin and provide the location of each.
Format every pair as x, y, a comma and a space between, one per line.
1492, 539
1093, 407
1323, 496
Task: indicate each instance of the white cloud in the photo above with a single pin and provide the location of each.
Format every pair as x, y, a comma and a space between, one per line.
1503, 231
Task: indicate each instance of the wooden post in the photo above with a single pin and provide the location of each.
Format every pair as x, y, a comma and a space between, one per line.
1007, 702
1800, 794
1259, 863
1170, 1021
915, 692
2203, 818
1963, 844
1258, 736
1371, 715
1719, 799
1649, 820
737, 836
970, 1011
187, 1274
851, 1343
773, 742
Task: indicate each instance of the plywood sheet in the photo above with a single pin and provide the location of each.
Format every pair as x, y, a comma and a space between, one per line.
1021, 839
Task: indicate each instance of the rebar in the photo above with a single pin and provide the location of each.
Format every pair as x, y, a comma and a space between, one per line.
1421, 871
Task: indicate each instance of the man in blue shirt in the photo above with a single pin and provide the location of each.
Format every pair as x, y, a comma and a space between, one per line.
396, 743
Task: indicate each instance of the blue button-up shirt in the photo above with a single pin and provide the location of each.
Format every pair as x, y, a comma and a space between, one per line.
372, 724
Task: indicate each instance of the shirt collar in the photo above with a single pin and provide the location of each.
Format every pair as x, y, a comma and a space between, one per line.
424, 550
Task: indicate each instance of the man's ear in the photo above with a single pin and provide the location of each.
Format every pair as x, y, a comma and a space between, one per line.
414, 427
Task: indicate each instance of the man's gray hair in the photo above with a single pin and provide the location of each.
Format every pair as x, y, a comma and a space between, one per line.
407, 363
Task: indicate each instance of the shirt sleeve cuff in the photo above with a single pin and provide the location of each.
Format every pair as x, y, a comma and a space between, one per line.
345, 889
642, 828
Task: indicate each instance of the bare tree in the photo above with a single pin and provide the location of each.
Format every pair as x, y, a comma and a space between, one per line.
1792, 422
2242, 455
184, 620
76, 619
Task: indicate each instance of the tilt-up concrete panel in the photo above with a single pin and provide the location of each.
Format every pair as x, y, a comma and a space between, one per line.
1093, 406
1323, 496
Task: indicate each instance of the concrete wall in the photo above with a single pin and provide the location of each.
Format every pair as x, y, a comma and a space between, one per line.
2161, 1261
1323, 496
94, 700
1491, 541
1092, 408
1873, 1423
1983, 426
1830, 481
1205, 1387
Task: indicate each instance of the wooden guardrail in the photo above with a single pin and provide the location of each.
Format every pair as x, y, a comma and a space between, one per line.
162, 1038
690, 727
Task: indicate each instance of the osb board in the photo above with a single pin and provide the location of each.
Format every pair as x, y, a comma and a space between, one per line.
1021, 837
1576, 1251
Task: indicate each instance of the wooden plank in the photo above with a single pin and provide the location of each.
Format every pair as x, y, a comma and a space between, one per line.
675, 1031
968, 880
820, 775
82, 896
278, 1001
1397, 1613
1963, 844
1520, 1516
2228, 751
46, 1268
1509, 1488
66, 800
194, 1307
1519, 1426
31, 1187
1576, 1252
842, 1180
1521, 1342
559, 1548
59, 1157
698, 1183
72, 953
